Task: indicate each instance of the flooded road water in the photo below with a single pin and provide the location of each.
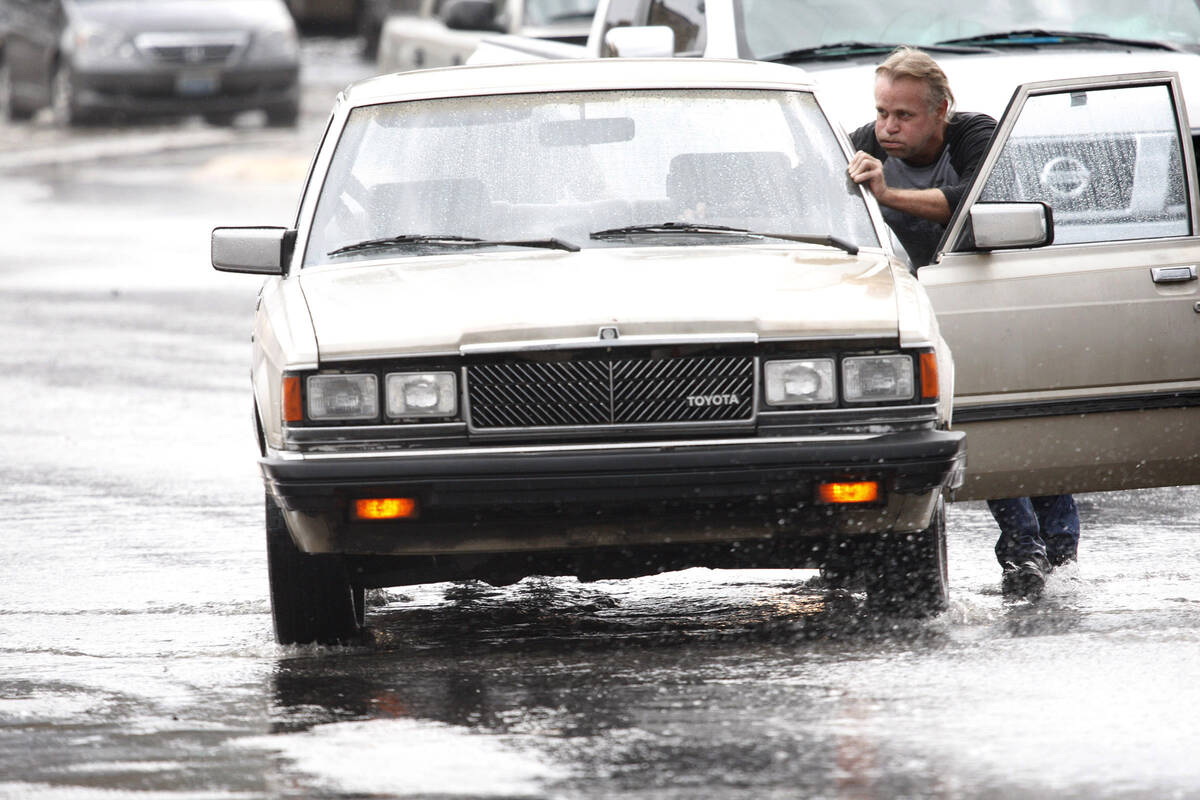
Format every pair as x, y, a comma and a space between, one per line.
136, 656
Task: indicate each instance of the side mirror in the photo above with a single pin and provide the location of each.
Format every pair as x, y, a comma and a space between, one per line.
470, 15
258, 251
645, 41
1004, 226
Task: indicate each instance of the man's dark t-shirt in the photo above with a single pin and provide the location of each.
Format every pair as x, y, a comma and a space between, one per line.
967, 137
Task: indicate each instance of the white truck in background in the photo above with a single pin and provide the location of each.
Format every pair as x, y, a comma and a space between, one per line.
985, 49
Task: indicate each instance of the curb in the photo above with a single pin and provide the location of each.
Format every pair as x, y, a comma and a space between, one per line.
123, 144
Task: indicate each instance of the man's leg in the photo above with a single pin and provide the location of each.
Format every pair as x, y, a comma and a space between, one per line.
1020, 549
1058, 519
1020, 531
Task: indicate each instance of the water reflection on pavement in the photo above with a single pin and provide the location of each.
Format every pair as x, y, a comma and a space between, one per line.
732, 685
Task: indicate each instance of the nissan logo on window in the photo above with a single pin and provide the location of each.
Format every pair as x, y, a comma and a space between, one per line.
1065, 177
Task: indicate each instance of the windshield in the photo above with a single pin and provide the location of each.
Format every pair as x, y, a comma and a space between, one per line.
563, 166
778, 26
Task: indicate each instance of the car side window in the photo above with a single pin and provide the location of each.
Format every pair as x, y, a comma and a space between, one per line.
1108, 161
686, 19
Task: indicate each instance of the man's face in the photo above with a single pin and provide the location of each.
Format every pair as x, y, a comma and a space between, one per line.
904, 124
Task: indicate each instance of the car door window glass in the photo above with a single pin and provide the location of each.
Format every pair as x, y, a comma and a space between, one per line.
553, 12
686, 19
1107, 161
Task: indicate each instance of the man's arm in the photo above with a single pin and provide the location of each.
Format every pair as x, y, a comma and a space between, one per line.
928, 204
968, 137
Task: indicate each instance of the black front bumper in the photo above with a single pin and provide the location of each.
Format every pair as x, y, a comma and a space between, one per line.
504, 499
171, 90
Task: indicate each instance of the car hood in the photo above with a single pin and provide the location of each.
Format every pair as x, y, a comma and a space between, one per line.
136, 16
986, 82
443, 304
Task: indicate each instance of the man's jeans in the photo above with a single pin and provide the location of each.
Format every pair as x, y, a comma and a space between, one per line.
1033, 526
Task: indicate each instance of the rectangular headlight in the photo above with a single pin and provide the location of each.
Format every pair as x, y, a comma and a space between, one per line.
802, 382
422, 394
867, 378
342, 397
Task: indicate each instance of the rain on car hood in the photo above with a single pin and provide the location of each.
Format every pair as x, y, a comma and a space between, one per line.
440, 304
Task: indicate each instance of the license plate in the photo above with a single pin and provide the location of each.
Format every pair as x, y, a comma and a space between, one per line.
194, 84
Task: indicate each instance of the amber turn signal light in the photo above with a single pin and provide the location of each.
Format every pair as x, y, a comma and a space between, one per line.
293, 408
855, 492
385, 508
929, 376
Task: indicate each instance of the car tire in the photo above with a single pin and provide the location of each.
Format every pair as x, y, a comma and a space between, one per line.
370, 29
284, 115
62, 97
907, 572
10, 111
220, 119
842, 567
312, 600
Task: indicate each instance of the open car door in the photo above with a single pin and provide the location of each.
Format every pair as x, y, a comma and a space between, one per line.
1067, 289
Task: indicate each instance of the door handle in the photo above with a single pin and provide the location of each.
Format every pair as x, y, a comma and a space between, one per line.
1173, 274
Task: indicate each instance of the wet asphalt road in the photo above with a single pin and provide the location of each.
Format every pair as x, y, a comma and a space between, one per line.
136, 657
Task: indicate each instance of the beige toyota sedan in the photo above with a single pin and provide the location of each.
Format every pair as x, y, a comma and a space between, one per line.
609, 318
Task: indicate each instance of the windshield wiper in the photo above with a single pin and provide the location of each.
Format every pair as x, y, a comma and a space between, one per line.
850, 49
549, 243
450, 241
1035, 36
809, 238
403, 239
665, 227
722, 230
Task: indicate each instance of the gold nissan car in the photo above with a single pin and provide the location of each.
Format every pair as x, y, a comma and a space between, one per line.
609, 318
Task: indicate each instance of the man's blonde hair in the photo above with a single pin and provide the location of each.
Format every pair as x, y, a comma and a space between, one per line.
909, 62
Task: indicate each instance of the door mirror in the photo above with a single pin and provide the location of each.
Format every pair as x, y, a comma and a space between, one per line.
470, 15
259, 251
647, 41
1005, 226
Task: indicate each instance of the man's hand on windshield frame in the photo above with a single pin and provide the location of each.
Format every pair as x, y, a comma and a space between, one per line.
929, 204
865, 168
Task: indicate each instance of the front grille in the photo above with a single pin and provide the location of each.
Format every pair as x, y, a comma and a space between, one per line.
198, 54
610, 391
191, 50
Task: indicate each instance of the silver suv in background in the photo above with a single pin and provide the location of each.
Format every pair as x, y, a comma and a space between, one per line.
92, 59
445, 33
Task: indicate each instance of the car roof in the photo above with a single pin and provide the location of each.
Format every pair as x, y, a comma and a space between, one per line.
576, 75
